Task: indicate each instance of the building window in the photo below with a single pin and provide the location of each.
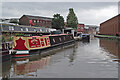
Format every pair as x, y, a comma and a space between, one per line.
11, 28
38, 21
21, 29
26, 29
43, 22
82, 28
34, 21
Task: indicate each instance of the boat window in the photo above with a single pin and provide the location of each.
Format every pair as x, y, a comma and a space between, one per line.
64, 38
60, 39
70, 37
54, 40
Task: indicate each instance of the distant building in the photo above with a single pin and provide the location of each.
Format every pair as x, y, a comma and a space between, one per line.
14, 19
35, 21
80, 28
3, 20
91, 29
111, 26
8, 21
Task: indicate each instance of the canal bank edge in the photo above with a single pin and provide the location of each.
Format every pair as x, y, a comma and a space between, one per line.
107, 36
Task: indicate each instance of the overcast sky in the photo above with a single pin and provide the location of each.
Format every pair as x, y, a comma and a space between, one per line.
86, 12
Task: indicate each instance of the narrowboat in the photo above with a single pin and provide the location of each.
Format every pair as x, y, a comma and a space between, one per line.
29, 45
85, 36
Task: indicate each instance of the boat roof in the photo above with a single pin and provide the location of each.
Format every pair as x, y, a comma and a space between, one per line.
85, 34
48, 35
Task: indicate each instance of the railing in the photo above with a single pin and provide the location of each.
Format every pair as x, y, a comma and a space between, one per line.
6, 46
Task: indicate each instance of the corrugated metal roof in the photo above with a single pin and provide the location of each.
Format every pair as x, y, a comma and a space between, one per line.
17, 28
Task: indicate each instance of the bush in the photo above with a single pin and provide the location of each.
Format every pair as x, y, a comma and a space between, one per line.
3, 39
10, 39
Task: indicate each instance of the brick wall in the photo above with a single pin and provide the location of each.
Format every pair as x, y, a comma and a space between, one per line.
111, 26
24, 21
80, 28
36, 21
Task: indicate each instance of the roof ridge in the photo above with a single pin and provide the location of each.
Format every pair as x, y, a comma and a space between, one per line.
37, 16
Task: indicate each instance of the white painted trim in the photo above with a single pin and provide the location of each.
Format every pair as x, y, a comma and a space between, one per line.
22, 52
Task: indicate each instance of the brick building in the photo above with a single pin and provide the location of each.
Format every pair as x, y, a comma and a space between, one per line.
80, 28
35, 21
91, 29
111, 26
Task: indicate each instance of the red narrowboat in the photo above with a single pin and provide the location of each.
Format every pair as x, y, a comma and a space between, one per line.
25, 46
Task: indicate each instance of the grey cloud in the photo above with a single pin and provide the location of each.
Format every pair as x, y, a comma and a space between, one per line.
17, 9
60, 1
56, 5
119, 7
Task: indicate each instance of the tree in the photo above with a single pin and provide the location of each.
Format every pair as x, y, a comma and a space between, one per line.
72, 20
57, 21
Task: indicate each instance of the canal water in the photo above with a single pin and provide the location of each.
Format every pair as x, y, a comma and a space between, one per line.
97, 58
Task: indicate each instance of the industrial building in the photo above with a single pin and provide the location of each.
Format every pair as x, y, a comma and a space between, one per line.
111, 26
35, 21
91, 29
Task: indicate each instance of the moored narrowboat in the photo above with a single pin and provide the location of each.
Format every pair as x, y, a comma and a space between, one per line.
85, 36
26, 46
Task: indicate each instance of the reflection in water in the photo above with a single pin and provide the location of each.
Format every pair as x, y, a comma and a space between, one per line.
6, 69
86, 41
72, 55
111, 46
83, 60
25, 66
